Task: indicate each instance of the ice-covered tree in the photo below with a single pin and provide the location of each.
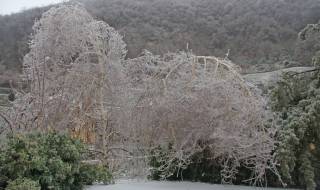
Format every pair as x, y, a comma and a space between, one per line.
73, 71
195, 103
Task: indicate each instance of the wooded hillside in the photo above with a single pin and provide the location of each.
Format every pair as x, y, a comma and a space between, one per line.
255, 31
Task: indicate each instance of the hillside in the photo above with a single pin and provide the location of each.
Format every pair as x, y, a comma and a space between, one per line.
255, 31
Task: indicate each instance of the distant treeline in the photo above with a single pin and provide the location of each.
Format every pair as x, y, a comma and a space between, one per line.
255, 31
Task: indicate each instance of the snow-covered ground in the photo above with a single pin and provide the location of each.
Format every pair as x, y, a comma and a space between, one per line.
155, 185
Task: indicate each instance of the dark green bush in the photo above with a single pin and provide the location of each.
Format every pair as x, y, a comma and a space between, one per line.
23, 184
53, 160
94, 173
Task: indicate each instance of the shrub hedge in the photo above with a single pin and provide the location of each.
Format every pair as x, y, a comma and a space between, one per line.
47, 161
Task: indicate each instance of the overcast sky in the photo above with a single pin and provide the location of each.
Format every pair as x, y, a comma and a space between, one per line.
13, 6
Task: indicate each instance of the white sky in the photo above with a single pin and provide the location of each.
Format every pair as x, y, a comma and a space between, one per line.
13, 6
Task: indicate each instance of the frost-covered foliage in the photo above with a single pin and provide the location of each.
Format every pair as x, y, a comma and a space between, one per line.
298, 106
79, 78
197, 102
296, 99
